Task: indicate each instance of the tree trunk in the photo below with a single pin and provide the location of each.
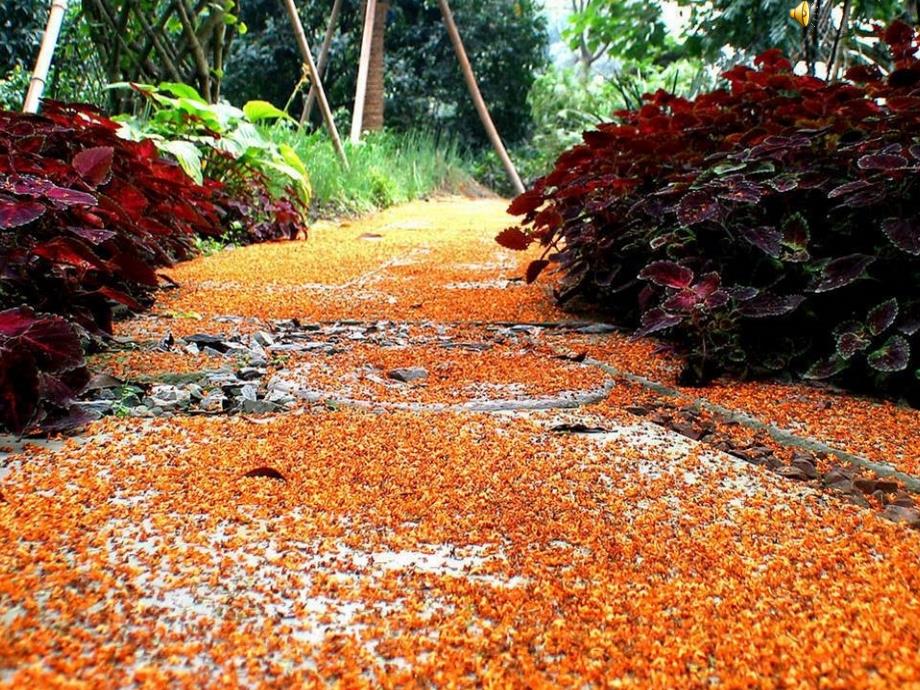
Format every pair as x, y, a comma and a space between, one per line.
374, 97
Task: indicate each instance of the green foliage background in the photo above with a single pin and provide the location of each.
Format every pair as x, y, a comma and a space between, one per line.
506, 42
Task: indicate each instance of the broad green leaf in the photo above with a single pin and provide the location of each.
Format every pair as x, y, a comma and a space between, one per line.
263, 110
291, 158
186, 155
248, 137
181, 91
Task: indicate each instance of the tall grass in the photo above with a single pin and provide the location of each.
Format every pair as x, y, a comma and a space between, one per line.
386, 168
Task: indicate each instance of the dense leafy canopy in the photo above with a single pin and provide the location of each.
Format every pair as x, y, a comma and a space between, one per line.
506, 43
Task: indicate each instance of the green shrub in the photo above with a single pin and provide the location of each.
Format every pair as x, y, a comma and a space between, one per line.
223, 143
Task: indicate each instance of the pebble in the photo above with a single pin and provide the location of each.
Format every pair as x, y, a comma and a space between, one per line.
408, 374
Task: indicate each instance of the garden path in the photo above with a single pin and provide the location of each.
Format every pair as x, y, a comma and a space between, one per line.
379, 459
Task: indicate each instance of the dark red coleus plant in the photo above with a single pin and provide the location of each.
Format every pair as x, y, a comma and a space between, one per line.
41, 368
86, 218
769, 225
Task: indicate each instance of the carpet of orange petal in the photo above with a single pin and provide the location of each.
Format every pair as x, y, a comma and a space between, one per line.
137, 365
429, 260
348, 548
440, 550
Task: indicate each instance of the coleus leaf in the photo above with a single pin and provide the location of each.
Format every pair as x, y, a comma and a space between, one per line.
534, 269
842, 271
850, 188
514, 238
851, 342
767, 304
68, 250
903, 233
697, 207
717, 299
17, 212
883, 316
655, 320
527, 202
120, 297
29, 185
742, 293
796, 236
881, 161
667, 274
826, 368
893, 356
93, 235
765, 238
909, 323
94, 164
49, 339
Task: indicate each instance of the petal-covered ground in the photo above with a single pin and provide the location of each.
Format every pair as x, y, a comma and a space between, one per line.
447, 495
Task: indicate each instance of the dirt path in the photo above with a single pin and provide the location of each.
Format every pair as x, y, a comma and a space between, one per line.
355, 462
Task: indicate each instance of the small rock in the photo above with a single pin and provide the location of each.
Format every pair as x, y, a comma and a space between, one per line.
773, 463
250, 373
597, 328
195, 391
901, 514
887, 486
96, 408
222, 378
744, 455
215, 402
263, 338
837, 479
637, 410
141, 411
792, 472
101, 382
192, 349
857, 499
257, 406
167, 397
806, 465
902, 499
280, 398
688, 430
249, 392
203, 339
408, 374
867, 486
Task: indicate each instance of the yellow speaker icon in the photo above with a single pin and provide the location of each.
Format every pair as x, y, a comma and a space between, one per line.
800, 13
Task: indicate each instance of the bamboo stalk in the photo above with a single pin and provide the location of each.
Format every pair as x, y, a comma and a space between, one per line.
835, 51
357, 117
323, 60
45, 54
314, 77
201, 60
475, 94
